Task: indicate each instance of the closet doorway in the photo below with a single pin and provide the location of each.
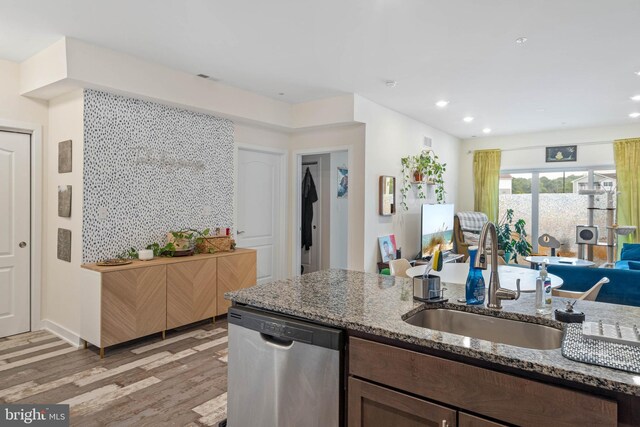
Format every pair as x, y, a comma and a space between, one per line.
322, 211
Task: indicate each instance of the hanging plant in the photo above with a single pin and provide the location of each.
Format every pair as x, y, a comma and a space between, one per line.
422, 170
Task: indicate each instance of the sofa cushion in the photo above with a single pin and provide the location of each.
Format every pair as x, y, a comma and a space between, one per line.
622, 265
634, 265
630, 252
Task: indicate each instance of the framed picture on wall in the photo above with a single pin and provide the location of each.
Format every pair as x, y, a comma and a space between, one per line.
564, 153
343, 182
387, 247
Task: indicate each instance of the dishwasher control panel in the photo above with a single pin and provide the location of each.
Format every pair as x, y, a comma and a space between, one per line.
286, 328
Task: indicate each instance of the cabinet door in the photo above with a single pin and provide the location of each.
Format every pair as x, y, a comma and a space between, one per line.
235, 272
467, 420
133, 304
191, 291
374, 406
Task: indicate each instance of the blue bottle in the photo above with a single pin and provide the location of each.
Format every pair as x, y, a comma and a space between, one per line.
475, 280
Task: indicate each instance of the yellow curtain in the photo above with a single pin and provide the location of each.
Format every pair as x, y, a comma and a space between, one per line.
627, 156
486, 181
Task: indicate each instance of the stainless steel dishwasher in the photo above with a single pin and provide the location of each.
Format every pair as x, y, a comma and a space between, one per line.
283, 372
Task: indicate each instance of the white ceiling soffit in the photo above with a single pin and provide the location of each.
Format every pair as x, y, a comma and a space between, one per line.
577, 66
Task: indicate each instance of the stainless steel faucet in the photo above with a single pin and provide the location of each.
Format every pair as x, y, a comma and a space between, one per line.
496, 293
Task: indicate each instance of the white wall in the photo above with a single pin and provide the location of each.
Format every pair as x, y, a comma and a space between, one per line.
104, 69
530, 153
389, 137
15, 107
339, 214
63, 280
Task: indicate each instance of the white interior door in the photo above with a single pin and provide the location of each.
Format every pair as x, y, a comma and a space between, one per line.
260, 208
15, 195
310, 259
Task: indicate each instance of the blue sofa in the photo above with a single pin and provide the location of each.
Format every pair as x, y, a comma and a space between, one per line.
623, 286
629, 257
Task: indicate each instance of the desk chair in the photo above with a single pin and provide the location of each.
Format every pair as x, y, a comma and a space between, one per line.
588, 295
399, 267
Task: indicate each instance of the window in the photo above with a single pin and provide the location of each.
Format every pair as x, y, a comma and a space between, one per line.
550, 203
561, 208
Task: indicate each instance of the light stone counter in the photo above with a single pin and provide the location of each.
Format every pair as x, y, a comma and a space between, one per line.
377, 305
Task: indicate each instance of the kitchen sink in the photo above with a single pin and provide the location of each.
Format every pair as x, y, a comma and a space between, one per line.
489, 328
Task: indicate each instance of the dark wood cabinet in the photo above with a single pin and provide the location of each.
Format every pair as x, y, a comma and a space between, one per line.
487, 393
374, 406
468, 420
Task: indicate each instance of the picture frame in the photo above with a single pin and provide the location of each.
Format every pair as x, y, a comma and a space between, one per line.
65, 156
343, 182
561, 153
64, 201
388, 247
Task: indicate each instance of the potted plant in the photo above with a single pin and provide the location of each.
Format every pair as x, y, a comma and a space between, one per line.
512, 237
421, 170
182, 240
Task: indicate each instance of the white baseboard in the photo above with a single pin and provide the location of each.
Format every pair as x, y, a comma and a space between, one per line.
71, 337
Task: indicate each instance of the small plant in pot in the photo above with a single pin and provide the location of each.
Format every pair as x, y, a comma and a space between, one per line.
182, 240
421, 170
512, 237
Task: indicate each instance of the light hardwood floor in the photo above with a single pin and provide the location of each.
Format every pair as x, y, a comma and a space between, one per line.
179, 381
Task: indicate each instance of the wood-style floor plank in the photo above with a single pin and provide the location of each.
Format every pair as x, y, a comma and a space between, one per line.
145, 382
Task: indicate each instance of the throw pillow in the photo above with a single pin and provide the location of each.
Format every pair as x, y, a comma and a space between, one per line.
630, 252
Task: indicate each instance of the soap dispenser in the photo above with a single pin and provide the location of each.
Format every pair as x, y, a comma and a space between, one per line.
474, 290
543, 292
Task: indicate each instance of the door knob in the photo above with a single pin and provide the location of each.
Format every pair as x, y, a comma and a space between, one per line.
240, 232
22, 244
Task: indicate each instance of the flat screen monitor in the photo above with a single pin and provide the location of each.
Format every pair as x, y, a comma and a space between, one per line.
436, 229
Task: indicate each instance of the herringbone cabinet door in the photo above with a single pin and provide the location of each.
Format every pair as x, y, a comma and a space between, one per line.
235, 272
133, 304
191, 292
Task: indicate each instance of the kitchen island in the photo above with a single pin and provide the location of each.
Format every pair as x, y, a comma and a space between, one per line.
405, 374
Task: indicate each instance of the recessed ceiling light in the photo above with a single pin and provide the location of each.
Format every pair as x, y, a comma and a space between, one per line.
521, 40
486, 130
635, 98
637, 73
442, 103
391, 83
634, 115
468, 119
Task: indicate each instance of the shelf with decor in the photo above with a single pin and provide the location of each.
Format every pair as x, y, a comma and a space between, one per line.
421, 171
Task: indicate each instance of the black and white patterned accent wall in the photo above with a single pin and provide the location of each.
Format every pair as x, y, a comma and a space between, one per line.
149, 169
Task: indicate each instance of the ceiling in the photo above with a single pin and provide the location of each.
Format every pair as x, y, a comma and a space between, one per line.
576, 69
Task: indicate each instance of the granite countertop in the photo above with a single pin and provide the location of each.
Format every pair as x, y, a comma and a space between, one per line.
377, 305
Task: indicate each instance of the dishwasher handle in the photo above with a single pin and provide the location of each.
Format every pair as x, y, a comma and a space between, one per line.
276, 341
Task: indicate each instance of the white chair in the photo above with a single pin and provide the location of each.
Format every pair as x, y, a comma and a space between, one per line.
399, 267
588, 295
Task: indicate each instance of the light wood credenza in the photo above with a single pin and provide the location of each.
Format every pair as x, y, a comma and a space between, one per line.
145, 297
